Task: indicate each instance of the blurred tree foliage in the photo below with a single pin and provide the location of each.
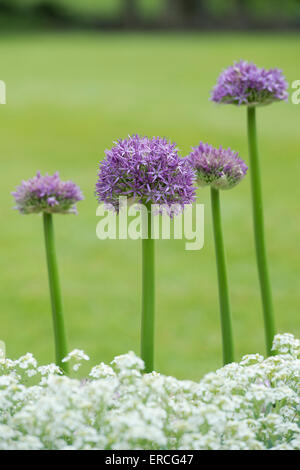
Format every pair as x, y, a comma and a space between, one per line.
209, 13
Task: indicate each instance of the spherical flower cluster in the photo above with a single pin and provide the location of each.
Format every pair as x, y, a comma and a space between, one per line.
47, 194
221, 168
245, 83
251, 405
145, 171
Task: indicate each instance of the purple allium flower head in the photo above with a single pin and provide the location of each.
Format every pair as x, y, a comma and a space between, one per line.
245, 83
47, 194
145, 170
218, 167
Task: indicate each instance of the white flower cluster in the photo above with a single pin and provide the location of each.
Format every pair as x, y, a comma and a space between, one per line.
251, 405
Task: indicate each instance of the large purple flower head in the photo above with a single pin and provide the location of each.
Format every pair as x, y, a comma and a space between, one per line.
47, 194
145, 171
246, 84
218, 167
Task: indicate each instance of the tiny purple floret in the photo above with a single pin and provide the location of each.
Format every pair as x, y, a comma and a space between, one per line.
218, 167
246, 84
47, 194
145, 170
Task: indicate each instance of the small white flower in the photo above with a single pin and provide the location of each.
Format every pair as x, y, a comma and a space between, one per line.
128, 361
27, 361
77, 355
102, 371
49, 369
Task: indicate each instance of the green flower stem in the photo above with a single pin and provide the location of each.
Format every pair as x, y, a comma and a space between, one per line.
226, 323
57, 311
148, 299
259, 232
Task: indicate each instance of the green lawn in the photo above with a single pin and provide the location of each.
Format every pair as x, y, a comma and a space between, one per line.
69, 97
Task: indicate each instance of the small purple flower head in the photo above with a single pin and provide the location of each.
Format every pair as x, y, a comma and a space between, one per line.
145, 171
47, 194
246, 84
220, 168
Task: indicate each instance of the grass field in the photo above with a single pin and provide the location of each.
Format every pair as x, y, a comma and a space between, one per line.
68, 98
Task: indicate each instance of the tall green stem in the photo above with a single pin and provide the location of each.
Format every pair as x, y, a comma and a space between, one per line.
226, 323
258, 219
148, 299
56, 302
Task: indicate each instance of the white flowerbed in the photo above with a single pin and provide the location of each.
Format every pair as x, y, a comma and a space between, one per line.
251, 405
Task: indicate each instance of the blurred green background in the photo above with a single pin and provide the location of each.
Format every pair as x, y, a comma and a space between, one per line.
207, 14
68, 97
